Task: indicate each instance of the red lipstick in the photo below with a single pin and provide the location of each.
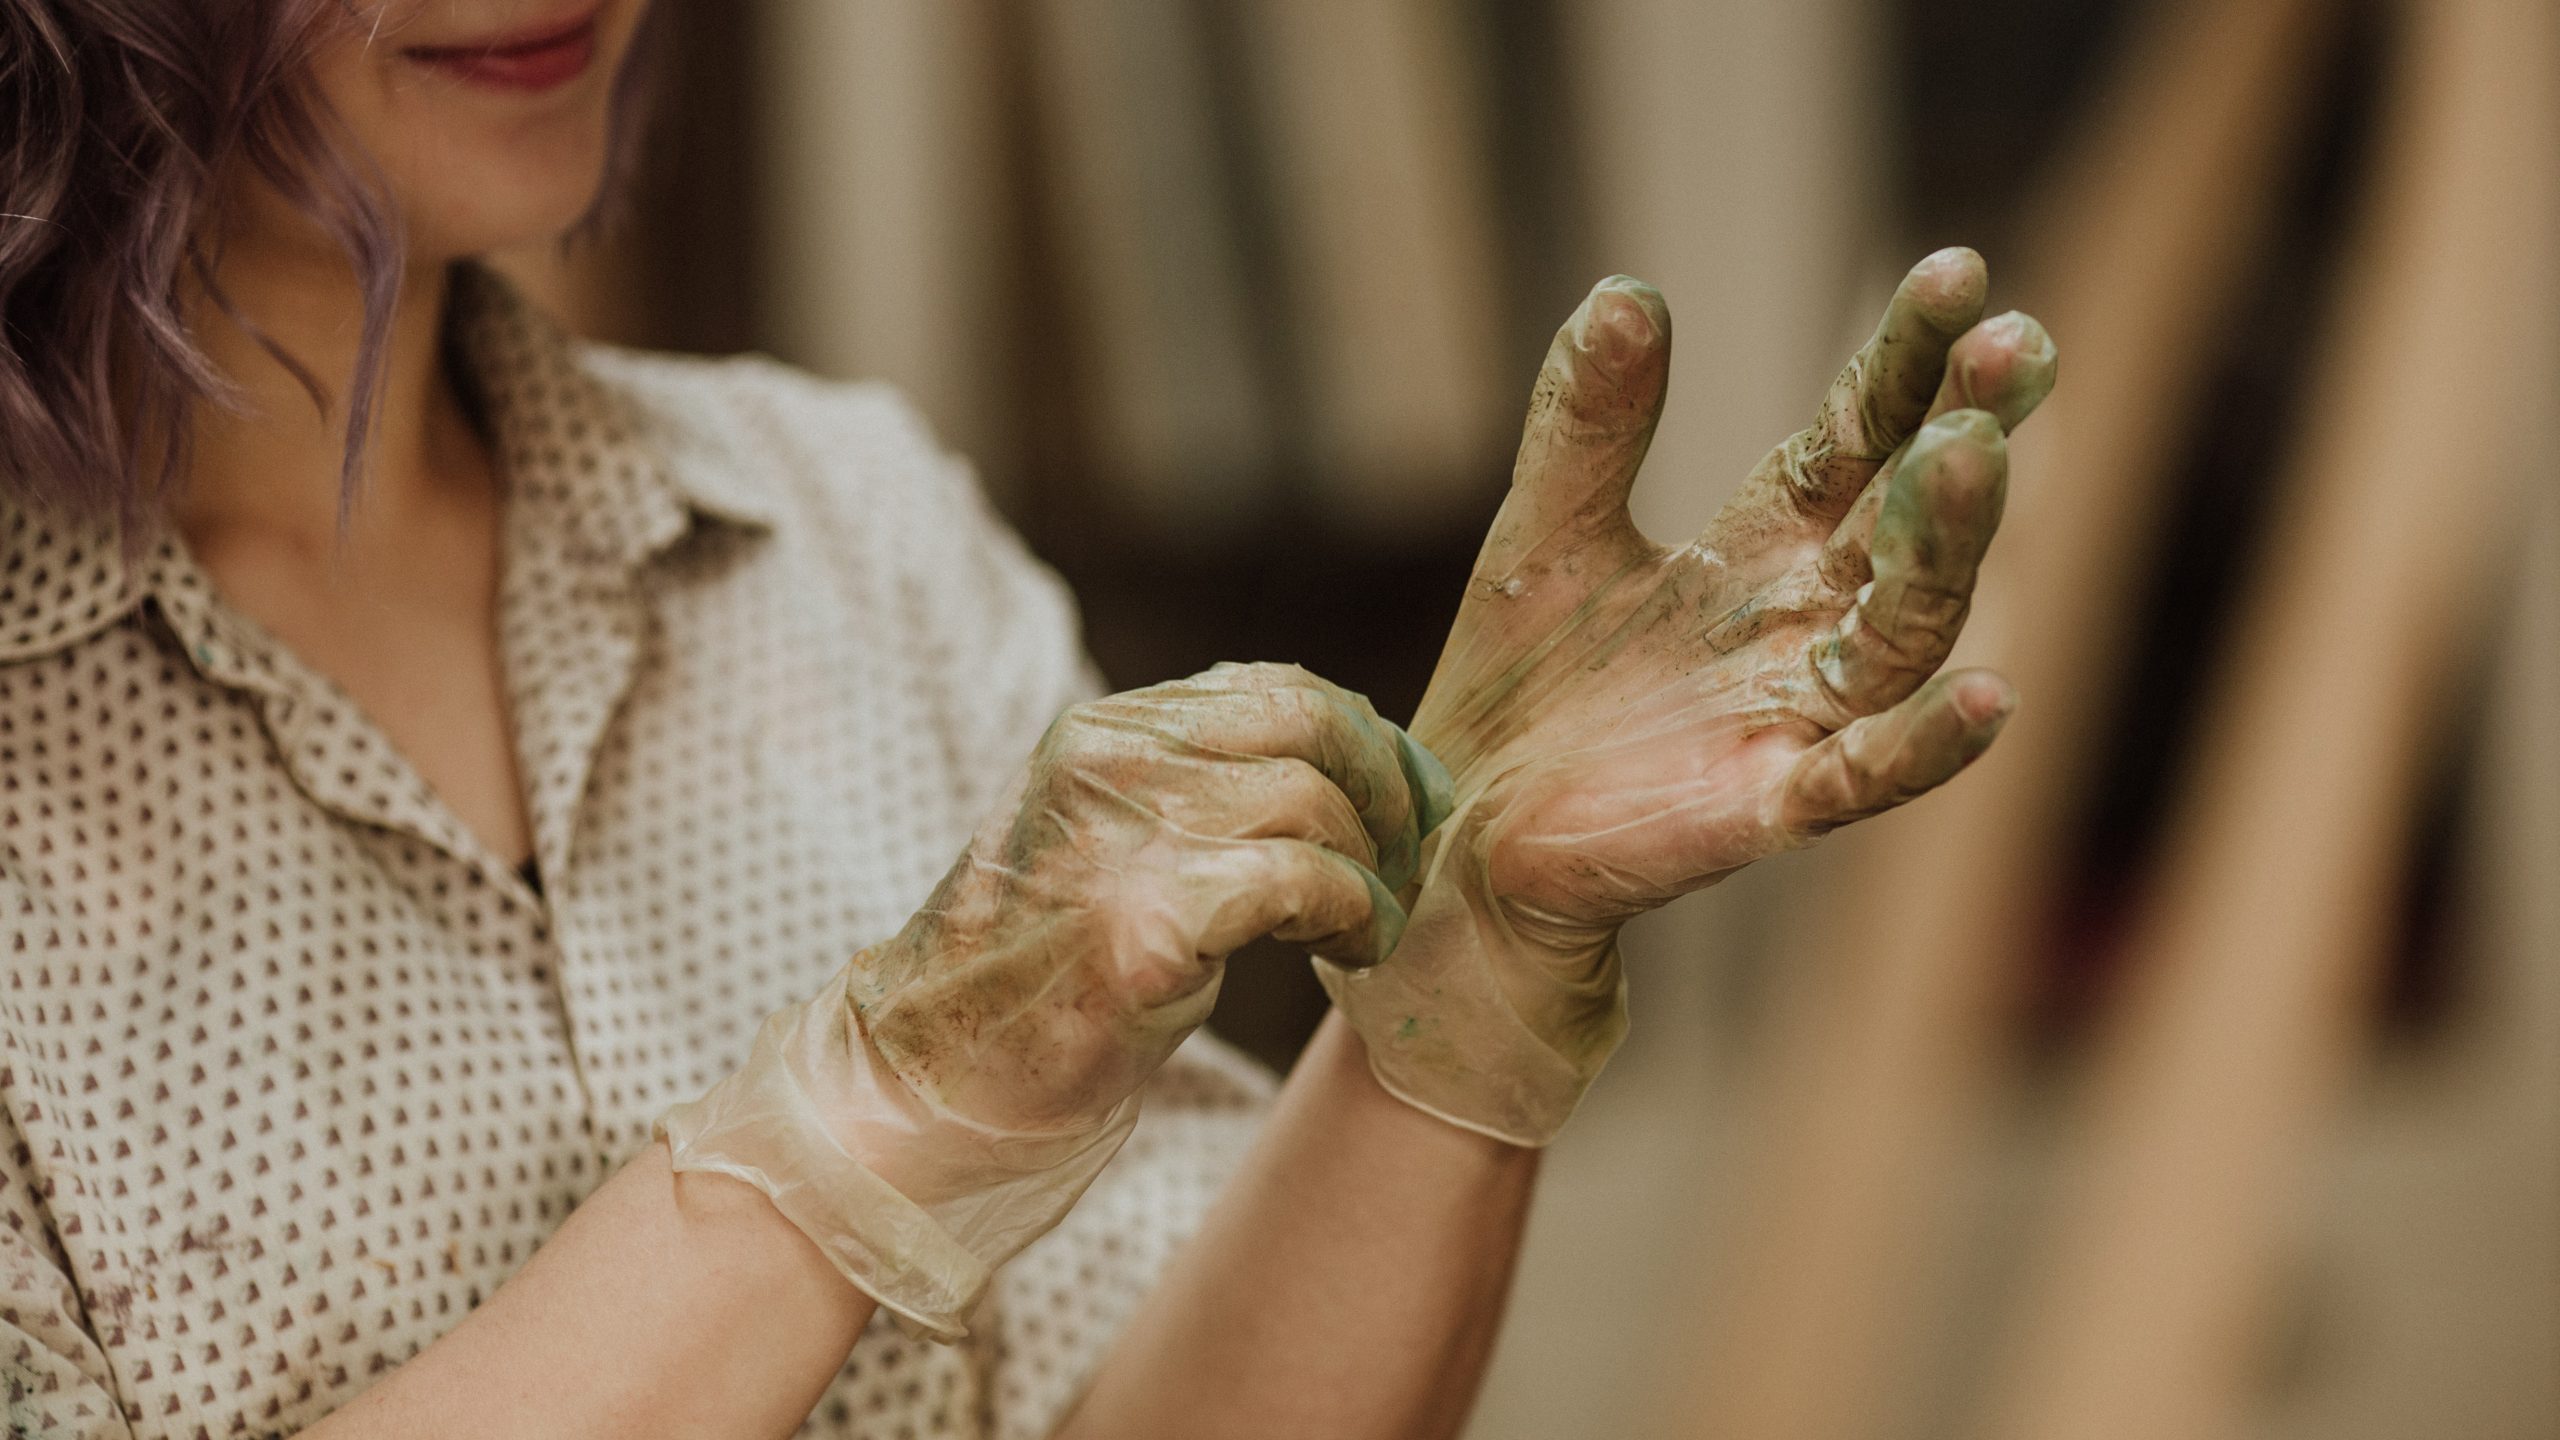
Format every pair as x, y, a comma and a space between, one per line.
525, 61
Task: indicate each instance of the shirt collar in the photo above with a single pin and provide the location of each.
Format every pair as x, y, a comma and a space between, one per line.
607, 479
622, 480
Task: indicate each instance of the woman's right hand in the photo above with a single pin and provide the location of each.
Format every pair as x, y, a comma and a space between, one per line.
953, 1090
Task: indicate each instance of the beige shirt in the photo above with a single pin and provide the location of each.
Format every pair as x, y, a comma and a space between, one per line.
294, 1072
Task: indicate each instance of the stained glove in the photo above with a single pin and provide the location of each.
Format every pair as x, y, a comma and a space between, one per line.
946, 1098
1626, 722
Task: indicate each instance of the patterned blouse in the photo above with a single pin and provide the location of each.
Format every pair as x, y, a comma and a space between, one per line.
294, 1071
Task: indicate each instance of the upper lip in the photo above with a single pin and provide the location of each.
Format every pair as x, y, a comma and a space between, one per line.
533, 37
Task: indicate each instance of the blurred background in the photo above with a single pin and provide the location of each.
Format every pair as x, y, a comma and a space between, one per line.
2193, 1068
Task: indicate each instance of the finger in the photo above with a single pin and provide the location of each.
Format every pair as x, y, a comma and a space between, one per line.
1884, 760
1877, 401
2004, 365
1940, 512
1591, 417
1266, 799
1284, 712
1301, 894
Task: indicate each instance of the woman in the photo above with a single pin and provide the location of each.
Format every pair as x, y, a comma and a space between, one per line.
429, 747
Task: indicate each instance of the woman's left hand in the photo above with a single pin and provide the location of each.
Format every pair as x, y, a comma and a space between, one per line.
1626, 722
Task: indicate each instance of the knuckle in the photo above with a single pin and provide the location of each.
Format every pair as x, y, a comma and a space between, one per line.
1352, 702
1812, 805
1829, 663
1921, 618
1843, 567
1299, 710
1295, 872
1089, 727
1874, 434
1103, 752
1297, 796
1304, 792
1075, 729
1850, 421
1268, 674
1803, 463
1291, 701
1892, 651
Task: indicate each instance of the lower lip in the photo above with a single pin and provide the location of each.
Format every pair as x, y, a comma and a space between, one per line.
543, 66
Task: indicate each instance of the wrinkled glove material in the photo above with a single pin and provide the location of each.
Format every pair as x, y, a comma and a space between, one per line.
927, 1246
953, 1091
1626, 722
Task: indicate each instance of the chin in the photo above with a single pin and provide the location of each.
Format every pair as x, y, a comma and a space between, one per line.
492, 121
504, 201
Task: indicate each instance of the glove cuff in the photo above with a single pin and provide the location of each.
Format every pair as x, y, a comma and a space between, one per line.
1446, 1035
914, 1205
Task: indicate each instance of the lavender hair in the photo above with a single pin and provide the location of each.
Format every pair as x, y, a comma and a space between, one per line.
119, 121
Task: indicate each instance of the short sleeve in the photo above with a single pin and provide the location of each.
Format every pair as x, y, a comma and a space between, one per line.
908, 545
926, 613
1002, 628
53, 1376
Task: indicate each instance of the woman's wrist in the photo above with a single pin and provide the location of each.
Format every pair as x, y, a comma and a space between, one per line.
727, 1295
667, 1304
740, 1225
1480, 1018
1348, 1284
1351, 1077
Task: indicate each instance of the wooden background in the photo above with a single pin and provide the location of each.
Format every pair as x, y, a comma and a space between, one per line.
2192, 1069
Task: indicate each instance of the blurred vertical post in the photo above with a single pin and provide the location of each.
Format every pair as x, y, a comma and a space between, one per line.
887, 234
1732, 164
2226, 1072
1154, 260
2432, 1250
1881, 1067
1375, 127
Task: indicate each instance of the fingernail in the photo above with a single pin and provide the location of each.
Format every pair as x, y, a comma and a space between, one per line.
2024, 334
2037, 343
1986, 701
1613, 328
1948, 286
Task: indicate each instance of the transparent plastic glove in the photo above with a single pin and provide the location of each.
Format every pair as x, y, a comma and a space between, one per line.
1627, 722
953, 1090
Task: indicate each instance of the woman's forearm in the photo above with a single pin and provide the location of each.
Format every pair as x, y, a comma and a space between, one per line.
666, 1305
1348, 1285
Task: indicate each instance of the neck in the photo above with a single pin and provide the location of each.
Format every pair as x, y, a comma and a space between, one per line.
276, 461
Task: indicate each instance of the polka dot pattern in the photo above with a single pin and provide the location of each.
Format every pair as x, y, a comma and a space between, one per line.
293, 1073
